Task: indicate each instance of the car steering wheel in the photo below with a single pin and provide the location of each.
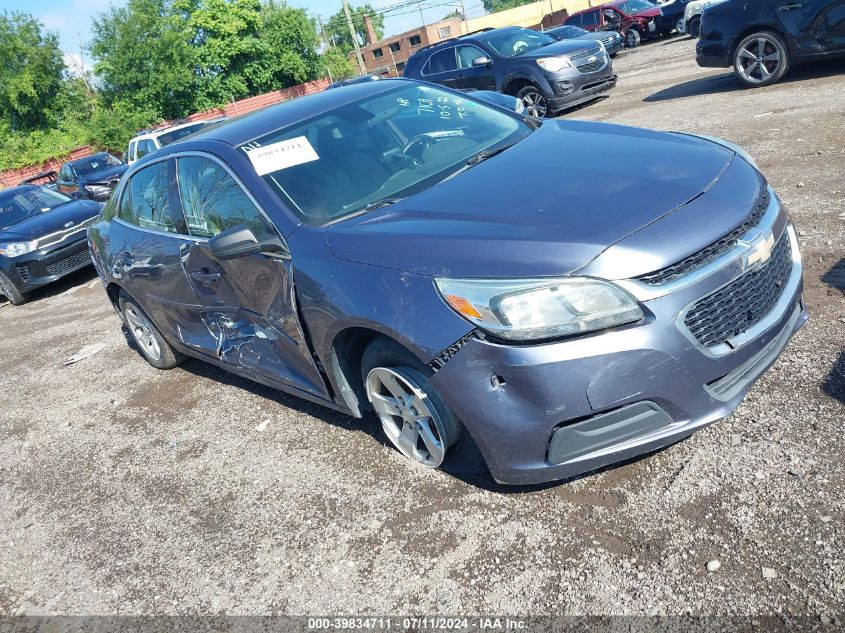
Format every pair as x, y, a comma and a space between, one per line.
413, 149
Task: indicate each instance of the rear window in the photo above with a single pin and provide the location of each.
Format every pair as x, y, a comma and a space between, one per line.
171, 137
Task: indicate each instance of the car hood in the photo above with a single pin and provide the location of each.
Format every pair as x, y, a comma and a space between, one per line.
561, 47
51, 222
547, 206
104, 176
597, 35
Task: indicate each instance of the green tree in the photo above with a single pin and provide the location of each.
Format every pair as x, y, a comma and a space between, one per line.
337, 28
337, 65
31, 70
144, 56
500, 5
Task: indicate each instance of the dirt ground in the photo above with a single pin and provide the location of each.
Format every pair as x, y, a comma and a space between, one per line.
126, 490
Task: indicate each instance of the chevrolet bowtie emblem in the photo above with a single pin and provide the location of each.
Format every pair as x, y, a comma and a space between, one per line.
760, 251
592, 59
68, 224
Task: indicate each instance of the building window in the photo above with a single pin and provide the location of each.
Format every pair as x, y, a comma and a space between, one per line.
400, 66
378, 53
395, 46
415, 40
444, 31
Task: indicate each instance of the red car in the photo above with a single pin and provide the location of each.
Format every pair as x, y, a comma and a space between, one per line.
634, 19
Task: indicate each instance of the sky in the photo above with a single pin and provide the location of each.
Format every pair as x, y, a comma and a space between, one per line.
71, 19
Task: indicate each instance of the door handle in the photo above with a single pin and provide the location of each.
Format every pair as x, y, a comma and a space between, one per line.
791, 6
206, 276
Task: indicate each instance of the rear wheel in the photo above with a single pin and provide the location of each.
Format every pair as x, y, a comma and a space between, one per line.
632, 38
761, 59
155, 350
681, 25
535, 102
694, 26
413, 416
10, 291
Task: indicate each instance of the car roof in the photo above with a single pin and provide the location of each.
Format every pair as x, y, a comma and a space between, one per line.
79, 160
248, 127
169, 128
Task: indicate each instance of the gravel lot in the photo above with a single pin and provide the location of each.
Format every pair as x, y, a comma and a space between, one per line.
126, 490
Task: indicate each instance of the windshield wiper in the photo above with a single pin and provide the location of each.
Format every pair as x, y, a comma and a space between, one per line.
487, 153
378, 204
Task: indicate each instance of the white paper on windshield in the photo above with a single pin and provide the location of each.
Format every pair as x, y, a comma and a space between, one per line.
281, 155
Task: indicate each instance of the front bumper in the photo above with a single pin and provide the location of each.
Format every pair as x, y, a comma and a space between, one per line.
515, 401
45, 266
576, 89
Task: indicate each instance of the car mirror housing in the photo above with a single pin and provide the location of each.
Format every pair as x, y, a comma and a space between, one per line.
240, 241
483, 60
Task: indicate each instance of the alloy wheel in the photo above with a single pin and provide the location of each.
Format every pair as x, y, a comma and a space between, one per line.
142, 332
681, 25
535, 104
758, 60
408, 419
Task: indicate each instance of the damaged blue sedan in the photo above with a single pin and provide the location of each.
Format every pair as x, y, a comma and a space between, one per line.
535, 298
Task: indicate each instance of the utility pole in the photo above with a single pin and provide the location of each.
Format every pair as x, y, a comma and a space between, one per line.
354, 38
422, 17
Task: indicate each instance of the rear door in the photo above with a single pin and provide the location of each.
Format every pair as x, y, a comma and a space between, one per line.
148, 244
473, 77
810, 23
248, 303
442, 68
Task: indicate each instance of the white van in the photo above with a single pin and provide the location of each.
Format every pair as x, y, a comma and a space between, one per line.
149, 141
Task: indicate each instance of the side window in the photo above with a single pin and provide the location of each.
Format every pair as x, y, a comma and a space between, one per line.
442, 61
468, 53
145, 147
146, 200
130, 153
213, 201
590, 19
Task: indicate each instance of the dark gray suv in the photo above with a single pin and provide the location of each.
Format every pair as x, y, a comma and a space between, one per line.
546, 74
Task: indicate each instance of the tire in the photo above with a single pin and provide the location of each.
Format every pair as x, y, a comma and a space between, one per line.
413, 416
761, 59
681, 25
694, 26
146, 337
632, 38
10, 290
535, 101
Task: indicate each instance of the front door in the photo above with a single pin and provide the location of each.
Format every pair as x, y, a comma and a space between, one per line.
473, 77
248, 303
807, 21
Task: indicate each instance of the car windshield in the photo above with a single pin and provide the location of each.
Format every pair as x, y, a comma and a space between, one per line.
373, 151
635, 6
513, 42
93, 164
174, 135
22, 203
565, 32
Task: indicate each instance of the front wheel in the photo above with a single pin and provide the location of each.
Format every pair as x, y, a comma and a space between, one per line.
694, 26
761, 59
535, 102
681, 25
413, 417
11, 292
632, 38
155, 350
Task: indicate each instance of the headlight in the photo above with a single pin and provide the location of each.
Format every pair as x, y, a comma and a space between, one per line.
731, 146
553, 64
531, 309
14, 249
97, 190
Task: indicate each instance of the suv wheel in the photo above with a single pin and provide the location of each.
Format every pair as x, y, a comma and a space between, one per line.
413, 416
10, 291
761, 59
155, 350
694, 26
535, 102
681, 25
632, 38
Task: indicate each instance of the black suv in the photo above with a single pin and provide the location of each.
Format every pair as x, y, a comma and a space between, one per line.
761, 39
546, 74
91, 177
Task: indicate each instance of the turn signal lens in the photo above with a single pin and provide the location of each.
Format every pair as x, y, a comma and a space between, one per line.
463, 306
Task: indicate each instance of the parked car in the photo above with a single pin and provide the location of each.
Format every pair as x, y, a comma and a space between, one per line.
692, 15
547, 75
761, 40
634, 19
148, 141
671, 17
351, 81
461, 282
93, 177
42, 238
45, 179
611, 40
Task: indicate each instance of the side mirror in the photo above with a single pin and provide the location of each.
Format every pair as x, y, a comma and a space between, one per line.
482, 61
240, 241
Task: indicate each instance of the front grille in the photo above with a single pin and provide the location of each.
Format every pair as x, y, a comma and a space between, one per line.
586, 54
23, 271
717, 248
592, 66
741, 304
607, 41
69, 264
